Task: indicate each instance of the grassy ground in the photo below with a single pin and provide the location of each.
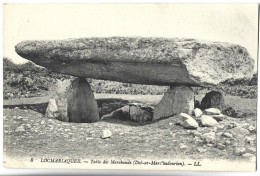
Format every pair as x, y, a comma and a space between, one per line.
30, 134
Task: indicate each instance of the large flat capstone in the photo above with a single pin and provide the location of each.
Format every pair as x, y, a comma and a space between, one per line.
155, 61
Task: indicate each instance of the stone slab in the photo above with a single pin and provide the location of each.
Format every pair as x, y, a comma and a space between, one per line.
156, 61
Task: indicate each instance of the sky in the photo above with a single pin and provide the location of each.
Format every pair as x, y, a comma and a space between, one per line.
232, 23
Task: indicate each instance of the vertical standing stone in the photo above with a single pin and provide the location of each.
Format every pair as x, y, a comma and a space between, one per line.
213, 99
176, 100
82, 106
51, 109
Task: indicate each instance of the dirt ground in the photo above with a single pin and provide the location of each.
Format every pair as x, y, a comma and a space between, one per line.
30, 134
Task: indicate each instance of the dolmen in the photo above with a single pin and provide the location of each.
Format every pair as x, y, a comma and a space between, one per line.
178, 63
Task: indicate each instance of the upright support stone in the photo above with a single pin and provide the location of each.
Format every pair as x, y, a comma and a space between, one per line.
176, 100
82, 106
213, 99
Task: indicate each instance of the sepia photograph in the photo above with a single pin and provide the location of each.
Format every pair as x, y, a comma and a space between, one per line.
168, 86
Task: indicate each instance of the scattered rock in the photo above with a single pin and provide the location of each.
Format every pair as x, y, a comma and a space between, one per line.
251, 128
218, 117
213, 99
249, 140
182, 146
231, 125
239, 131
245, 125
215, 129
227, 142
251, 149
210, 145
176, 100
212, 111
173, 134
197, 112
50, 120
239, 151
221, 146
248, 155
19, 117
195, 133
106, 134
208, 121
221, 126
198, 141
28, 125
190, 124
201, 149
227, 134
184, 116
20, 129
187, 121
209, 137
89, 138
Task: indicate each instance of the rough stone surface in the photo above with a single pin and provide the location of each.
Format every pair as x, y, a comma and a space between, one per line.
239, 131
20, 129
62, 117
132, 112
190, 124
247, 155
221, 146
51, 109
108, 105
176, 100
212, 111
239, 151
218, 117
227, 134
106, 134
209, 137
208, 121
213, 99
82, 106
121, 113
184, 116
202, 150
182, 146
197, 112
161, 61
252, 128
140, 114
187, 121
